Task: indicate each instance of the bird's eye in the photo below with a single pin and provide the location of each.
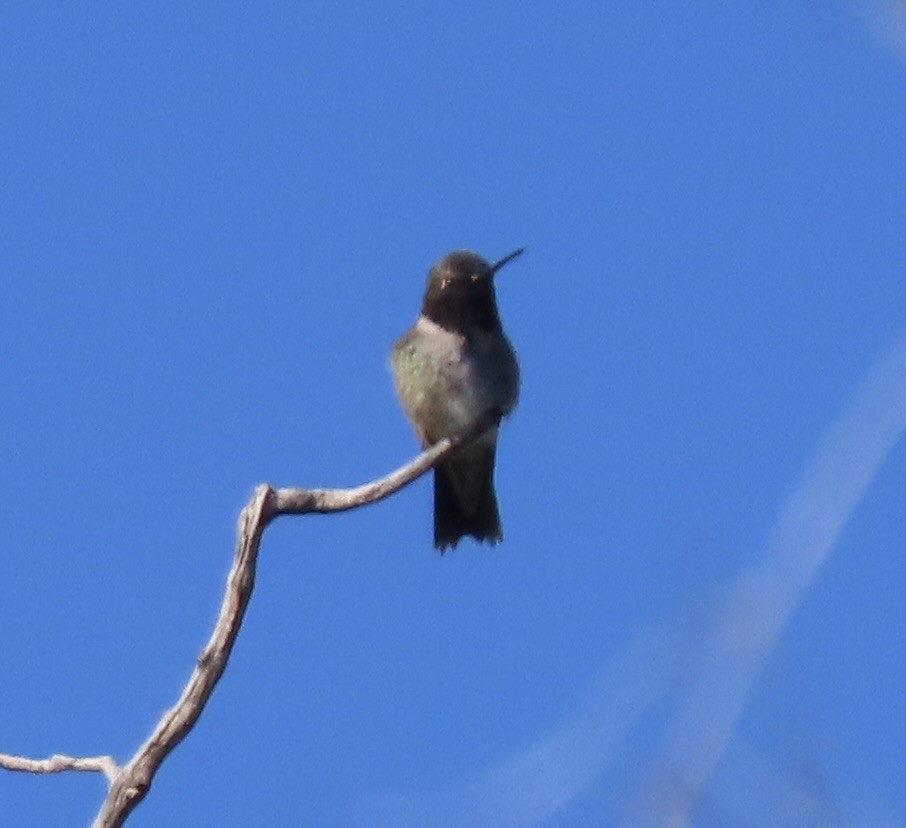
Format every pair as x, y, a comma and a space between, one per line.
475, 277
444, 284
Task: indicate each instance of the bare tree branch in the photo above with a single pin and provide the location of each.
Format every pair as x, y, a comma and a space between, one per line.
58, 763
303, 501
128, 785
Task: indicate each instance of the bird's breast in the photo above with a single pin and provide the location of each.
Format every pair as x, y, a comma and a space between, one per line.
446, 381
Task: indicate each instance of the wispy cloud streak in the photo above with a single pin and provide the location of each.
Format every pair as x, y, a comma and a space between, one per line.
887, 21
760, 603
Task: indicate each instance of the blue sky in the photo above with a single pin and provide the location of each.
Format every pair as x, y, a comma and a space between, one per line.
215, 222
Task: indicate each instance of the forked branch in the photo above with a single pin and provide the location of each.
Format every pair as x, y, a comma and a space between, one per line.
129, 784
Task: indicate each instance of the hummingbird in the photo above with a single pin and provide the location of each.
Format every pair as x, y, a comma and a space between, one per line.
452, 369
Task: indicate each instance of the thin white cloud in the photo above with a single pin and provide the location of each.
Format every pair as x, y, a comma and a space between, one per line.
797, 792
760, 603
723, 663
887, 21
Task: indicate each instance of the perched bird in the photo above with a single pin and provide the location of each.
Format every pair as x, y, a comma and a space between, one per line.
454, 367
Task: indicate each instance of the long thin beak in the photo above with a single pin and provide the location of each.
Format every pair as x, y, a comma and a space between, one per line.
508, 258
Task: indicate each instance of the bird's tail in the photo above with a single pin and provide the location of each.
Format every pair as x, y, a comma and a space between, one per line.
464, 499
